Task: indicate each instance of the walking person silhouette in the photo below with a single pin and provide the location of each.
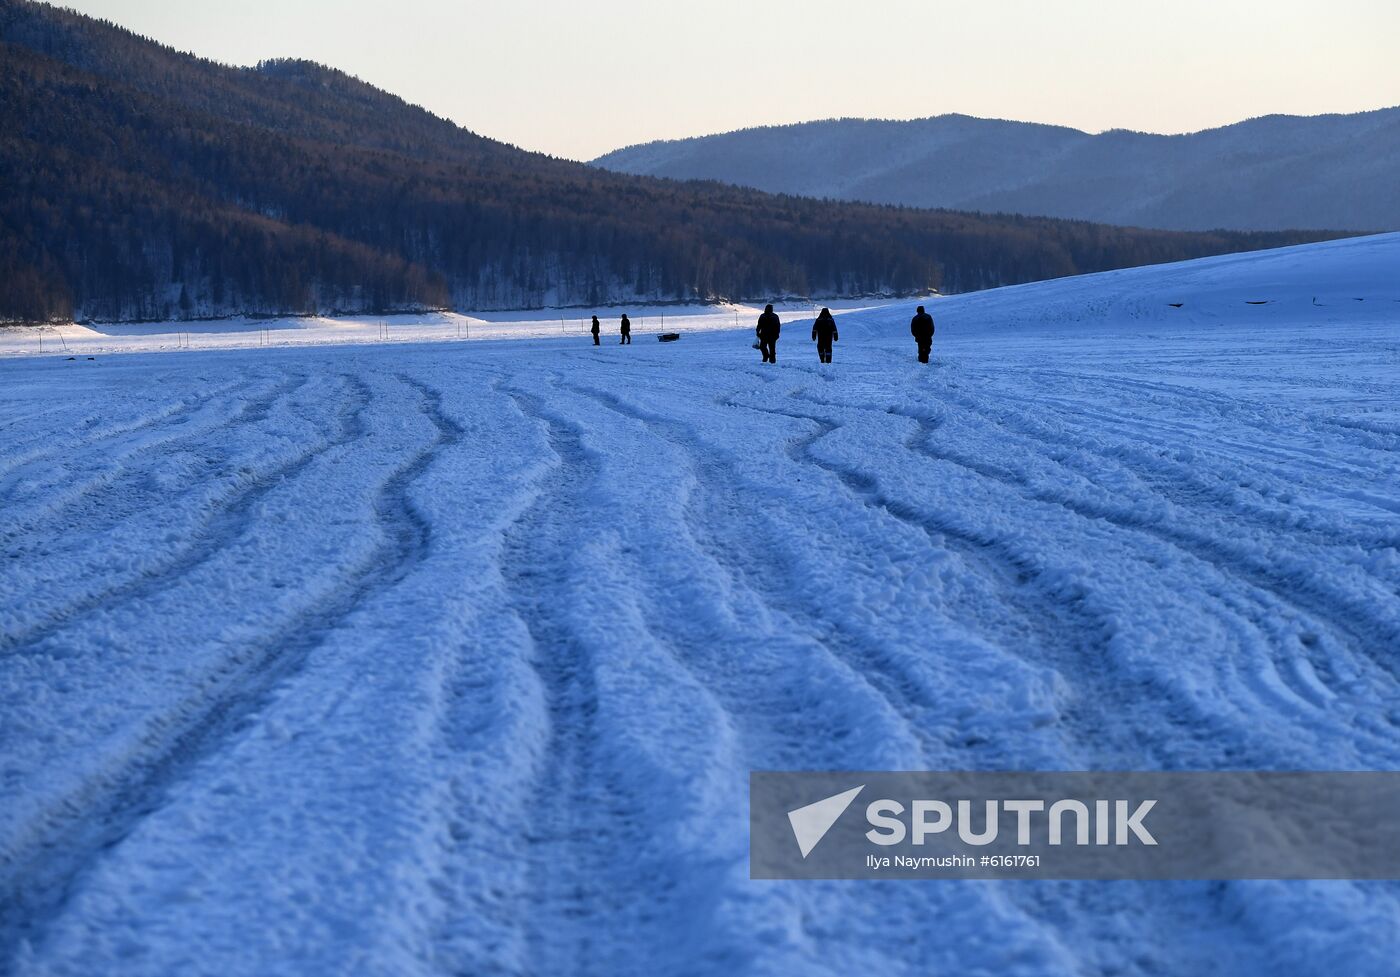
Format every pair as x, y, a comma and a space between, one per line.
921, 327
595, 330
824, 334
626, 331
769, 328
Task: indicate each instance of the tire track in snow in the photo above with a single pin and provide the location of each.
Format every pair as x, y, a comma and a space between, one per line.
1301, 690
93, 499
1034, 622
1329, 620
1163, 919
169, 412
907, 694
1228, 405
100, 503
1307, 665
574, 826
35, 890
779, 727
30, 417
36, 885
1233, 463
408, 534
1343, 620
776, 731
587, 856
908, 699
1302, 685
231, 521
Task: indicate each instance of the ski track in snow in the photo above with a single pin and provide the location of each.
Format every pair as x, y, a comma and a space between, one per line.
455, 659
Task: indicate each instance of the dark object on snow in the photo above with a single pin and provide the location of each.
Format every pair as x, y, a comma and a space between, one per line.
769, 329
824, 334
626, 331
668, 337
921, 328
72, 357
1263, 302
92, 357
595, 330
1176, 305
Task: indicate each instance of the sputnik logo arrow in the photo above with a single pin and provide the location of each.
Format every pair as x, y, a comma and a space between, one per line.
811, 823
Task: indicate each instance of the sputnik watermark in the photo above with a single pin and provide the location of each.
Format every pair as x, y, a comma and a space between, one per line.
920, 863
811, 823
1146, 825
1111, 820
1112, 823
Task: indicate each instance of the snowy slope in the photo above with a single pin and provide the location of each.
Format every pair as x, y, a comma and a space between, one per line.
1355, 280
452, 658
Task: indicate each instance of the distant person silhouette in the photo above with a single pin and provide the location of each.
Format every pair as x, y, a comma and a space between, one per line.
824, 334
769, 328
626, 331
596, 330
921, 327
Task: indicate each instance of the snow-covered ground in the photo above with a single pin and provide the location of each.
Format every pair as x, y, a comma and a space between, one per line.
454, 658
435, 327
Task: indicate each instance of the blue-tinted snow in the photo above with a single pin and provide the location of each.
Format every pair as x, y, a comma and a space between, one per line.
454, 658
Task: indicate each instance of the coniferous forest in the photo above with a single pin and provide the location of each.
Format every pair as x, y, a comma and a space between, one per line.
137, 182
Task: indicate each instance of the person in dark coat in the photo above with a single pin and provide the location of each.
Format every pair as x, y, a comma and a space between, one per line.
626, 331
921, 327
769, 328
824, 334
595, 331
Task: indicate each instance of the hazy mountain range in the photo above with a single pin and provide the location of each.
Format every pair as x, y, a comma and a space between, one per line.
140, 182
1271, 173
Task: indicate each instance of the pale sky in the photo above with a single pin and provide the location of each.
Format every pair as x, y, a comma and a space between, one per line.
577, 79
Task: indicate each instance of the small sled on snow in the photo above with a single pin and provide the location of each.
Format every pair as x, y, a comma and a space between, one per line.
668, 337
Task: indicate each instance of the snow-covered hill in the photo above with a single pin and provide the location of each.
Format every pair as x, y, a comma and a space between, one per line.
454, 658
1327, 172
1356, 280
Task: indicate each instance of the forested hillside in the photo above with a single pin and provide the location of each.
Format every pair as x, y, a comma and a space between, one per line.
139, 182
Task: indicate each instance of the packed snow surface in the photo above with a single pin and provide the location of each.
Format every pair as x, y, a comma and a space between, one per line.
434, 327
454, 658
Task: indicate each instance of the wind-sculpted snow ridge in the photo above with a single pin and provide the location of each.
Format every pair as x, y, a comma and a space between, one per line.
454, 658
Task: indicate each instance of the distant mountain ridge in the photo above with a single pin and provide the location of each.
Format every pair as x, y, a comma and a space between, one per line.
1272, 173
140, 182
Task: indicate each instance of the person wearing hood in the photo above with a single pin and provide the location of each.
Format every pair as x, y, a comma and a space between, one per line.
626, 331
769, 328
921, 328
824, 334
595, 330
